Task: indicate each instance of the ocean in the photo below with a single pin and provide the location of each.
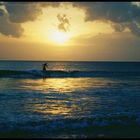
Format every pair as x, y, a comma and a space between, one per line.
70, 99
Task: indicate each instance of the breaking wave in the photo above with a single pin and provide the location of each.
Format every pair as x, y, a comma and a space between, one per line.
63, 74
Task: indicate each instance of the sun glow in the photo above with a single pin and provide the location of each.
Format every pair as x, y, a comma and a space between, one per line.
60, 37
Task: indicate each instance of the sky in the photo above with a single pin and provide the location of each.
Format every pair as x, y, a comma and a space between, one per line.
70, 31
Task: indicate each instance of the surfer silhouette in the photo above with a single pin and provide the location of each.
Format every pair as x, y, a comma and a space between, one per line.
45, 67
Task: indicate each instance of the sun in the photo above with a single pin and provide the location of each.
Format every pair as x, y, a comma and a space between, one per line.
60, 37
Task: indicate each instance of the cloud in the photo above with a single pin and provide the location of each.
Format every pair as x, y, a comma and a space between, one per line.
134, 28
118, 27
64, 22
18, 13
1, 3
7, 28
1, 12
121, 15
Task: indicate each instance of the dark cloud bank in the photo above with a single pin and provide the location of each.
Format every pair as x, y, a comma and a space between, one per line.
120, 15
18, 13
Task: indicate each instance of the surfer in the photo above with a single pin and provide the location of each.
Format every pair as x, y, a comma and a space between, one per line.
45, 67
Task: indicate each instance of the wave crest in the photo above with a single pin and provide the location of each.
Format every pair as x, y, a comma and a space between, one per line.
63, 74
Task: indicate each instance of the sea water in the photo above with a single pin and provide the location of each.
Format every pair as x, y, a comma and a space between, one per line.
70, 100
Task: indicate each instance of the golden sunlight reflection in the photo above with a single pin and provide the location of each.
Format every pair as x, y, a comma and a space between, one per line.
63, 85
61, 101
55, 108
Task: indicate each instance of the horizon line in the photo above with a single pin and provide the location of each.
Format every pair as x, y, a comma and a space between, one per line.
73, 60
